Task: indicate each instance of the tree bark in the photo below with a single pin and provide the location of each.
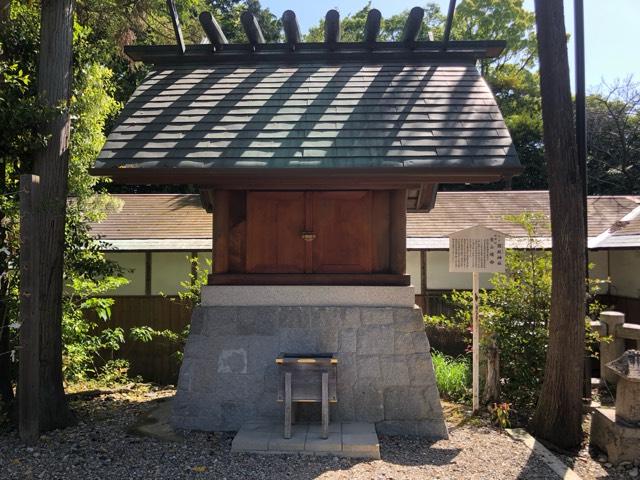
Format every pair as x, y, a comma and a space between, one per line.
51, 164
558, 416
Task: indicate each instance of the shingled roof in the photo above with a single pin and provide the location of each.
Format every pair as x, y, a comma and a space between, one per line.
427, 118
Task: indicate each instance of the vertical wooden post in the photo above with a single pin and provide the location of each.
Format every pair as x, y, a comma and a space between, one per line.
476, 344
221, 231
423, 280
287, 405
29, 368
147, 273
398, 227
325, 405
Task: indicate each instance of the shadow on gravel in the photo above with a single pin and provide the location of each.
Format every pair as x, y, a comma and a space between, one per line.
414, 452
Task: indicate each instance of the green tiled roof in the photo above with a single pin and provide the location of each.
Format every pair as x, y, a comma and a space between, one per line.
311, 116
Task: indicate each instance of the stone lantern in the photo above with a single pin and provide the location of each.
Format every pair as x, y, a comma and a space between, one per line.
618, 431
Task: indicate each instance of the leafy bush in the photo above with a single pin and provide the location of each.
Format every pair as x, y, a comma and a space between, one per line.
453, 376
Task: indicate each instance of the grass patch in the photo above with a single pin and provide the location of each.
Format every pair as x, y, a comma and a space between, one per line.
453, 376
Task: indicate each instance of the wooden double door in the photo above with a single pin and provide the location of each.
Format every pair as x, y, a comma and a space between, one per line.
309, 232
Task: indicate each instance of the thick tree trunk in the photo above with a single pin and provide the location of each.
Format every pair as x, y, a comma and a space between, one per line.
51, 164
558, 416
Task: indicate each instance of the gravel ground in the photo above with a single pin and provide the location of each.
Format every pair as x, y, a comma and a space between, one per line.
102, 446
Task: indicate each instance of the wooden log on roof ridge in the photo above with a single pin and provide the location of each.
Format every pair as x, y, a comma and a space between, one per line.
332, 28
213, 30
372, 26
291, 28
175, 20
252, 28
448, 24
412, 25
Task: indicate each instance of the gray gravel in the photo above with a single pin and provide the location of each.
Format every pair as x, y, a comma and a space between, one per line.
102, 447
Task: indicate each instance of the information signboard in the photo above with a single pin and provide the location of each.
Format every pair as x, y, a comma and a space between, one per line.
476, 249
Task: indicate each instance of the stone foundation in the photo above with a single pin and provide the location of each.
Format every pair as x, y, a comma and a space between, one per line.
620, 442
385, 374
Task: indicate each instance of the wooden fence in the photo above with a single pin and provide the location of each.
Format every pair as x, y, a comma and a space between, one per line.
155, 361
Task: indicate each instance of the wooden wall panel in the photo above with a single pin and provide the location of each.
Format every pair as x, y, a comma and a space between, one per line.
342, 223
380, 233
275, 223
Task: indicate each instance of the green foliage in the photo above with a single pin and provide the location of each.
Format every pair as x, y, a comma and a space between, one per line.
85, 341
500, 413
114, 372
352, 25
453, 376
198, 278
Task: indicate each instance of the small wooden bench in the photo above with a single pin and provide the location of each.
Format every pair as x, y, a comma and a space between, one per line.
307, 378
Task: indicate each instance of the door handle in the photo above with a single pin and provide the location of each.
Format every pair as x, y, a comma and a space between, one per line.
308, 236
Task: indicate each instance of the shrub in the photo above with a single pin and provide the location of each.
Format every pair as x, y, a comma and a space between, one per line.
453, 376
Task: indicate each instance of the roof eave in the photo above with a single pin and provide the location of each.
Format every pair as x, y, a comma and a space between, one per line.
280, 53
250, 177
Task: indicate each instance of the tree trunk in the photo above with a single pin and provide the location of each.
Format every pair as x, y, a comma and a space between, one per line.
558, 416
51, 164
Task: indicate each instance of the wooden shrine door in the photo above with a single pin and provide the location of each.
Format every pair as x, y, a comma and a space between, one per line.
309, 232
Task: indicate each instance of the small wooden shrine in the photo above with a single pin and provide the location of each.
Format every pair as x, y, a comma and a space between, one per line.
309, 156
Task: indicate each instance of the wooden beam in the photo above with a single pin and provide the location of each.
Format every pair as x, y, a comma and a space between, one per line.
221, 231
213, 30
309, 279
252, 28
412, 25
291, 28
372, 26
332, 28
448, 24
177, 30
29, 366
398, 232
427, 197
147, 273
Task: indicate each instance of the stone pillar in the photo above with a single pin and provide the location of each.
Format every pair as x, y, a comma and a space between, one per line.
612, 349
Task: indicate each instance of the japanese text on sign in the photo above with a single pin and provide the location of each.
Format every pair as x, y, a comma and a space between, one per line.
476, 249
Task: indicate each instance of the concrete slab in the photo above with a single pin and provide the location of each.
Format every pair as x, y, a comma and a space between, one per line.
361, 440
252, 437
277, 442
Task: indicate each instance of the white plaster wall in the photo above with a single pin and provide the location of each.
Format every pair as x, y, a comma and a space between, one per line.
600, 270
624, 268
134, 269
413, 269
168, 269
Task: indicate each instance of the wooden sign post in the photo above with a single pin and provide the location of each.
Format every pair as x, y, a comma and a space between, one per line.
476, 249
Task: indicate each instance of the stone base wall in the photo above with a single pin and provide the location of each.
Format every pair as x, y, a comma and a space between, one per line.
385, 374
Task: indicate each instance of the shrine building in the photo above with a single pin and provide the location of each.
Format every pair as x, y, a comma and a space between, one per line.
310, 155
